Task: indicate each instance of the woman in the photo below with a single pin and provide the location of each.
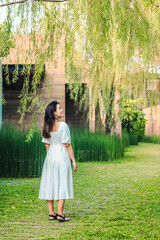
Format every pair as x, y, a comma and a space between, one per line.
56, 180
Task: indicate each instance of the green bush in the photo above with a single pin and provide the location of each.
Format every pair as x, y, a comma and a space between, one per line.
125, 139
133, 139
19, 158
129, 138
151, 139
97, 146
132, 118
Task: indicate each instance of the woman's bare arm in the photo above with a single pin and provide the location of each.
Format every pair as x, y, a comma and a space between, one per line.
47, 147
71, 154
70, 151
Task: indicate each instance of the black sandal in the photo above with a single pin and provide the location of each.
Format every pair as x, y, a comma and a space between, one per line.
62, 220
55, 217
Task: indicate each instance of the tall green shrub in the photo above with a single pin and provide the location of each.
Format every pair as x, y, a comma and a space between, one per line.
132, 118
151, 139
97, 146
19, 158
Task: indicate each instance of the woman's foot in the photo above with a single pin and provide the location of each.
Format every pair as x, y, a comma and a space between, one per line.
52, 215
62, 218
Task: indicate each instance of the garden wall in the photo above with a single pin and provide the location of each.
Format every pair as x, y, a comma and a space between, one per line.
153, 123
53, 84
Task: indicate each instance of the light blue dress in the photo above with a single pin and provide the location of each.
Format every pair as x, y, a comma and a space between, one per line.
56, 179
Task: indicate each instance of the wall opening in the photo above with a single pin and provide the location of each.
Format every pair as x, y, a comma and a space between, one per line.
74, 117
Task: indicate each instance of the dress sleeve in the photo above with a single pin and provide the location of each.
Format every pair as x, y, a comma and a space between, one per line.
66, 137
45, 140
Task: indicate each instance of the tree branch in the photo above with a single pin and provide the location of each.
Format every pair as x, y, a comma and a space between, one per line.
11, 3
53, 0
22, 1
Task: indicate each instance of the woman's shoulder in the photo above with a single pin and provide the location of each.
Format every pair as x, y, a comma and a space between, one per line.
64, 125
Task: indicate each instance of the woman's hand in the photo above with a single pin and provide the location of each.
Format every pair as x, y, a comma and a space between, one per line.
75, 168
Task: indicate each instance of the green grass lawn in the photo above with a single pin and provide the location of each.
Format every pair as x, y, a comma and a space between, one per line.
113, 200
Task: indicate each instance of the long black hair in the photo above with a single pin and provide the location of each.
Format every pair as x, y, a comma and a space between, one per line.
49, 119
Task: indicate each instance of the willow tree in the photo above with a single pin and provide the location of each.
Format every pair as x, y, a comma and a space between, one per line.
118, 42
113, 45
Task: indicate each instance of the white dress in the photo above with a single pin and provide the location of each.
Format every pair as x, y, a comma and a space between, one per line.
56, 179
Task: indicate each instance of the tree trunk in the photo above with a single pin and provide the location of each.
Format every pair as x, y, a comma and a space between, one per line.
117, 128
102, 110
0, 94
91, 111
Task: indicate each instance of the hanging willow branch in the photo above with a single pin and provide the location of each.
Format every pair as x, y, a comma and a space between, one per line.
23, 1
110, 45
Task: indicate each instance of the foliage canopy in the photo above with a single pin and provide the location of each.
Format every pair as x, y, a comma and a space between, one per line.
112, 45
